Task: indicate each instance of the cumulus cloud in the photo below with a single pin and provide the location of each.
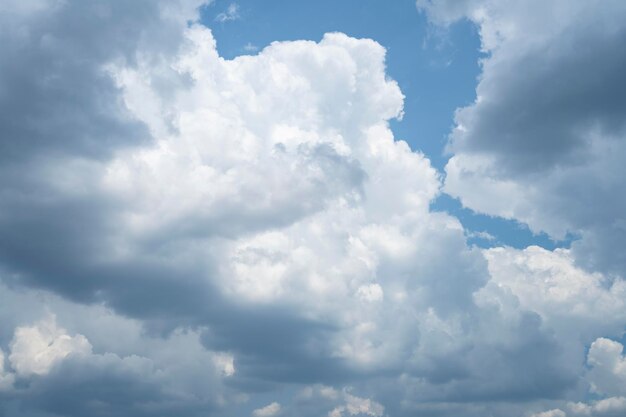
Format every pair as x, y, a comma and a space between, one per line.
51, 369
608, 367
550, 413
550, 283
36, 349
609, 407
269, 410
544, 140
288, 219
357, 406
324, 400
210, 230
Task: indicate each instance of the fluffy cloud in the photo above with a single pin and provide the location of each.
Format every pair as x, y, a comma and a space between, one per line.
36, 349
609, 407
324, 400
541, 144
608, 373
54, 370
357, 406
544, 140
209, 231
268, 206
269, 410
568, 298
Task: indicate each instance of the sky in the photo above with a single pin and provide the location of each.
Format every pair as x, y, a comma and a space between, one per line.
312, 209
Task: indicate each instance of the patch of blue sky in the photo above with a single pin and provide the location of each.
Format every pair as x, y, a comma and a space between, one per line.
437, 72
489, 231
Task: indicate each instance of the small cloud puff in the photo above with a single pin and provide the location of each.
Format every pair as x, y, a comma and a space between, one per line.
269, 410
36, 349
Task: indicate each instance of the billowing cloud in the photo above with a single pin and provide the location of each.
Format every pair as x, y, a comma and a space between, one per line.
118, 369
248, 236
36, 349
269, 410
608, 373
608, 407
564, 295
357, 406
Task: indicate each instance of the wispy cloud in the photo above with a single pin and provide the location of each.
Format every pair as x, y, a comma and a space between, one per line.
480, 235
231, 13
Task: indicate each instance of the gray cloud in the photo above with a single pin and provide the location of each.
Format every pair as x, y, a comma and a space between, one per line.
57, 96
543, 140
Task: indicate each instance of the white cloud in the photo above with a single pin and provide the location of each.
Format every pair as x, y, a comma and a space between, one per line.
309, 204
313, 206
272, 216
357, 406
36, 349
481, 235
244, 158
225, 363
269, 410
612, 406
231, 13
551, 413
567, 297
608, 367
172, 371
371, 292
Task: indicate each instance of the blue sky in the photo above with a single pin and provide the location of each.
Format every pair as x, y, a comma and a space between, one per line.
420, 57
436, 68
213, 208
